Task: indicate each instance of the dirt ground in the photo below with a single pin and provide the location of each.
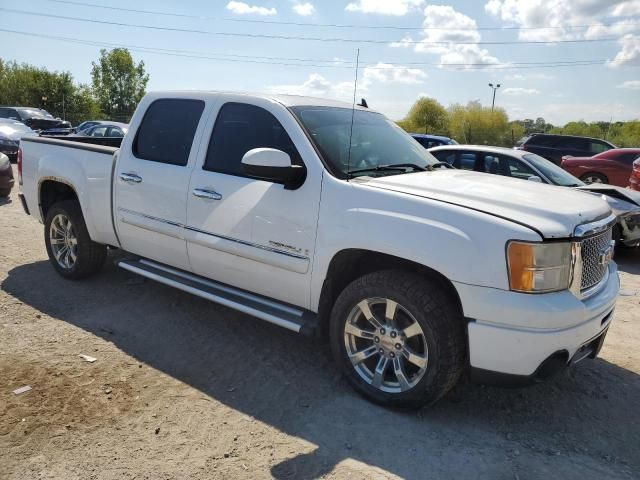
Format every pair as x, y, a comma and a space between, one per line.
183, 388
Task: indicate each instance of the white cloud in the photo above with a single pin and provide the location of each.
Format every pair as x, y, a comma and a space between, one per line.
389, 73
381, 73
443, 24
630, 84
520, 91
304, 9
242, 8
627, 9
630, 53
384, 7
318, 86
558, 14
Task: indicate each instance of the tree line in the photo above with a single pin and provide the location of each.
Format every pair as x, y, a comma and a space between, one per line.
475, 124
118, 83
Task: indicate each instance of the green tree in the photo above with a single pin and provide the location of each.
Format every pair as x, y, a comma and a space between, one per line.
29, 86
118, 82
427, 116
475, 124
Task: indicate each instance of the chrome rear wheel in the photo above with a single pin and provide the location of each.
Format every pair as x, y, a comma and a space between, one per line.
63, 241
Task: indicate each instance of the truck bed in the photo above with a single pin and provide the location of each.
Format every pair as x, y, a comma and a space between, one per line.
88, 168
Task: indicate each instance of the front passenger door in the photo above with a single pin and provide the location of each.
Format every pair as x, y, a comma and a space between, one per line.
249, 233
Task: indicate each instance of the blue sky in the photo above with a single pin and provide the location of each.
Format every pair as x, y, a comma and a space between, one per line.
391, 75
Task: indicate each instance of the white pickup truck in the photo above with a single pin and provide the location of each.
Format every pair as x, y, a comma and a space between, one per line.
331, 221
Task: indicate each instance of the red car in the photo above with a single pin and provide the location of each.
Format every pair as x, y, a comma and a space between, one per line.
612, 167
634, 180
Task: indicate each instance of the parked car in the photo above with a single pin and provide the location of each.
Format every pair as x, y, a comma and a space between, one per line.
554, 147
634, 180
34, 118
6, 176
86, 124
529, 166
331, 221
428, 141
11, 131
110, 129
613, 166
80, 129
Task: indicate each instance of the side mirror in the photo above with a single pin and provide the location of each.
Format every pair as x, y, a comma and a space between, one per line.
535, 178
273, 165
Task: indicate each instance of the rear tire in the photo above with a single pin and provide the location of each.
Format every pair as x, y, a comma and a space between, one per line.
71, 251
416, 352
593, 177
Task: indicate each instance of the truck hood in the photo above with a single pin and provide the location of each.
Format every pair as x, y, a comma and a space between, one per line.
552, 211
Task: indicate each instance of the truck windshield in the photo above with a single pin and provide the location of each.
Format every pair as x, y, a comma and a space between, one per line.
377, 144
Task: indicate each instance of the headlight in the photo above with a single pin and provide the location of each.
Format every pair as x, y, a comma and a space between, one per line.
539, 267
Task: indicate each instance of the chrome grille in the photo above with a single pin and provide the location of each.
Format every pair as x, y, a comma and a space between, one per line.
593, 269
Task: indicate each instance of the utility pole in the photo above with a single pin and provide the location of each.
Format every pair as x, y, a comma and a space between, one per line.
493, 102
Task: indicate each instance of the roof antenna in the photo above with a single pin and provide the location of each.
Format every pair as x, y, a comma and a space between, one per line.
353, 112
363, 103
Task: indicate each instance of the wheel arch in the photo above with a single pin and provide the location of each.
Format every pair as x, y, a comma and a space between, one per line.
352, 263
52, 190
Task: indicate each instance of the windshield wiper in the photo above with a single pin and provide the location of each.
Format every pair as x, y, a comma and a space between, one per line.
439, 164
390, 168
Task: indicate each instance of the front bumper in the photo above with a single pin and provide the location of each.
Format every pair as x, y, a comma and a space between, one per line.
513, 333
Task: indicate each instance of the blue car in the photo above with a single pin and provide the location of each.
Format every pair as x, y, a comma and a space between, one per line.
428, 141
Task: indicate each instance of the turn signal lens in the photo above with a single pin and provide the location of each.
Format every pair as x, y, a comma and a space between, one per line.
539, 267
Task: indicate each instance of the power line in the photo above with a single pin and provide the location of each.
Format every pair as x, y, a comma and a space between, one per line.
331, 64
291, 37
331, 25
287, 61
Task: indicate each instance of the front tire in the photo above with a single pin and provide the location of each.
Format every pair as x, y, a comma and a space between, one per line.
399, 338
71, 251
5, 193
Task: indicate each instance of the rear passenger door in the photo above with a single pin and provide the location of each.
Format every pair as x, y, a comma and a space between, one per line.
249, 233
152, 180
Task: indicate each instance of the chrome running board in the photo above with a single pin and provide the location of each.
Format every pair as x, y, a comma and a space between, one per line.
272, 311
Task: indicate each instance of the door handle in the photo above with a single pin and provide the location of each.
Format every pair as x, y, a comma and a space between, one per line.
204, 193
130, 178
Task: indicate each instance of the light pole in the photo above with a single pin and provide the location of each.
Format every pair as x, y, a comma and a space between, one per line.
493, 102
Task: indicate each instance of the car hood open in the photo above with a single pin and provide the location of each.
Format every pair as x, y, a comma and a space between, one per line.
552, 211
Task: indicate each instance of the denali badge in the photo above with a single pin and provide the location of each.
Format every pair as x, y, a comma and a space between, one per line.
606, 255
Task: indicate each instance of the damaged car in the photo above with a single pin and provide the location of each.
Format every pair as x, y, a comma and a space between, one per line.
525, 165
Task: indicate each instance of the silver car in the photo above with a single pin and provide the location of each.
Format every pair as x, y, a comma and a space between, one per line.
525, 165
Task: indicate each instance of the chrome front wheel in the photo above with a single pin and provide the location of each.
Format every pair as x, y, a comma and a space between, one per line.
386, 345
63, 241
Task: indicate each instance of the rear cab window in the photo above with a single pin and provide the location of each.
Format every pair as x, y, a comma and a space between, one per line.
167, 130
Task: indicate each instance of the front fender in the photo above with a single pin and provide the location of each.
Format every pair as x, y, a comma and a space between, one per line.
463, 245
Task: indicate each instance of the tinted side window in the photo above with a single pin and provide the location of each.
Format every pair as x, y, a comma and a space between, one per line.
542, 141
167, 130
239, 128
466, 161
99, 132
516, 169
445, 156
598, 147
9, 113
573, 143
